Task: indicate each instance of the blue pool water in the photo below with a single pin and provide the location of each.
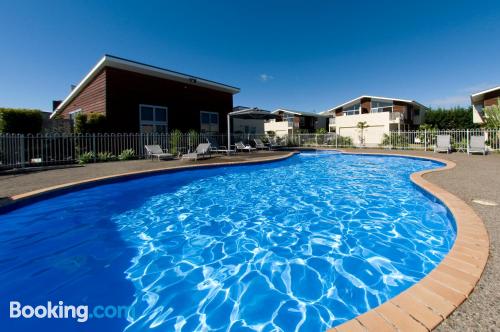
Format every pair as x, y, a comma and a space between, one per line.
301, 244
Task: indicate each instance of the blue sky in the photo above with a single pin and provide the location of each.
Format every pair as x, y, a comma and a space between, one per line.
306, 56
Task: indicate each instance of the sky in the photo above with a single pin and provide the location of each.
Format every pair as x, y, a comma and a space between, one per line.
301, 55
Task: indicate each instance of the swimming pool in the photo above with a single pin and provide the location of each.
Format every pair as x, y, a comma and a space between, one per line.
304, 243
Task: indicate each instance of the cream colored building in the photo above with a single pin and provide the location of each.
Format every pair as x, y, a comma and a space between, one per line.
380, 114
293, 122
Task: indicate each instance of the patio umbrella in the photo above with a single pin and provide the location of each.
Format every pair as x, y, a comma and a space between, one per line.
248, 114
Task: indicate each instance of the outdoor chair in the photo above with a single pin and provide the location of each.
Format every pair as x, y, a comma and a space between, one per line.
216, 148
443, 144
242, 147
259, 144
477, 144
202, 151
156, 151
273, 144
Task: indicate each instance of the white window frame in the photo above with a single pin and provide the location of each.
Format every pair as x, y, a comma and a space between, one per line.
209, 122
380, 109
153, 123
352, 110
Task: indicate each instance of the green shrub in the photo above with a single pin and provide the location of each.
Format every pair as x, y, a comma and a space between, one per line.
394, 139
193, 138
321, 131
175, 140
345, 141
127, 154
452, 118
20, 121
105, 156
87, 157
91, 123
492, 116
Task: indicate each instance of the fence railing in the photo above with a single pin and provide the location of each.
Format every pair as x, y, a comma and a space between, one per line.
54, 149
400, 140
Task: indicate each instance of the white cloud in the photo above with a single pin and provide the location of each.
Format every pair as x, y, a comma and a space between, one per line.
477, 87
266, 77
451, 101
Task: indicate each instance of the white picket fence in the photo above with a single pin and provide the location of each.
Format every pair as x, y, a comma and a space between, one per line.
54, 149
402, 140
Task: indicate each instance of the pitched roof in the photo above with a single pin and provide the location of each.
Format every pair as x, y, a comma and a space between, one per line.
142, 68
298, 113
355, 100
478, 96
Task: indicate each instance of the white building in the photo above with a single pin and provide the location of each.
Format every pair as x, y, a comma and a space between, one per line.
294, 122
380, 115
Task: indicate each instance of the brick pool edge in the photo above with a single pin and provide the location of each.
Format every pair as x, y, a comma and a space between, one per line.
71, 185
423, 306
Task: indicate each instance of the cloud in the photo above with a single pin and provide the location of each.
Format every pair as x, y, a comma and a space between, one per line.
477, 87
266, 77
451, 101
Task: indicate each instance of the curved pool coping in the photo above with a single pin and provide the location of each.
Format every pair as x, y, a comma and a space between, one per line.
430, 301
19, 200
421, 307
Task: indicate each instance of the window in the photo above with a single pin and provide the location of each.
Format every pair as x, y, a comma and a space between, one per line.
153, 119
209, 122
352, 110
381, 106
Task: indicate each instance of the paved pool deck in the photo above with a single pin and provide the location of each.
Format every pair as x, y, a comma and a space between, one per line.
474, 177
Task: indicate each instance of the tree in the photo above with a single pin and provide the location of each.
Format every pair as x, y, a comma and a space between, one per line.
362, 126
92, 123
492, 116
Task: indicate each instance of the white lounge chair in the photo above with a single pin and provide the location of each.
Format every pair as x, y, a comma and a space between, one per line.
156, 151
273, 144
259, 144
477, 144
202, 151
215, 147
242, 147
443, 144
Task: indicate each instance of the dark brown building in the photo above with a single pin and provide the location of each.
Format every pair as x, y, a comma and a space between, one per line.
136, 97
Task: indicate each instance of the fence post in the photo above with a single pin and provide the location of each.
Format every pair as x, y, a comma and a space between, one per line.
467, 142
93, 147
23, 156
425, 139
336, 141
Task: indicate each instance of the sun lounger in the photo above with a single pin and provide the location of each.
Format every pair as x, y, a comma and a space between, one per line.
202, 151
477, 144
156, 151
273, 144
443, 144
216, 148
259, 144
242, 147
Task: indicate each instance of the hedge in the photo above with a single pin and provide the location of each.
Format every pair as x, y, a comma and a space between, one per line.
454, 118
20, 121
